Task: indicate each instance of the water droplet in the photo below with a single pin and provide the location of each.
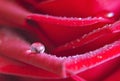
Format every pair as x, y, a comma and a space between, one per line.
111, 14
37, 48
79, 18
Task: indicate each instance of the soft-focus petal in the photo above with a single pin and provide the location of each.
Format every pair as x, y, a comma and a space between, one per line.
75, 8
115, 76
61, 30
52, 30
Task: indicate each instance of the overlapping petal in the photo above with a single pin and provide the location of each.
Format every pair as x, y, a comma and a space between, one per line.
55, 23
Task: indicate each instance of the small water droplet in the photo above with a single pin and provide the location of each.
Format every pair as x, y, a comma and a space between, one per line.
37, 48
111, 14
79, 18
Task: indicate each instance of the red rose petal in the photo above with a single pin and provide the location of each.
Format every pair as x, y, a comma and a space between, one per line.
114, 76
76, 8
59, 8
91, 41
32, 79
12, 67
72, 67
12, 13
101, 71
49, 35
62, 65
61, 30
17, 18
3, 78
15, 47
64, 21
79, 63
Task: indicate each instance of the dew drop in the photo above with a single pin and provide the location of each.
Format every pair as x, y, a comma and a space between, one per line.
111, 14
79, 18
37, 48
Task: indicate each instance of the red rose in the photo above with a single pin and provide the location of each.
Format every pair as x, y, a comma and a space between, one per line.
72, 40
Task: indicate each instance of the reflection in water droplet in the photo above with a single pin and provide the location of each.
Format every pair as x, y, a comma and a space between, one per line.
37, 48
79, 18
111, 14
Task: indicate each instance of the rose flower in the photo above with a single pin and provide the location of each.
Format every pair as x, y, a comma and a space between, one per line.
59, 40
